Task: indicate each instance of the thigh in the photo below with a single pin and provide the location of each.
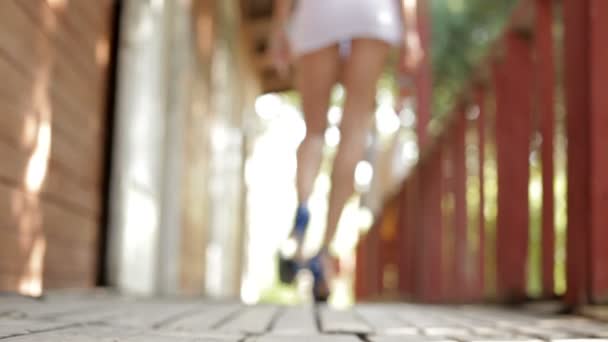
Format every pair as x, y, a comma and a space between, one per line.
316, 74
361, 72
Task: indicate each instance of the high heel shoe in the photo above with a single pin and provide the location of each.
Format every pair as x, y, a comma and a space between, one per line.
322, 269
289, 265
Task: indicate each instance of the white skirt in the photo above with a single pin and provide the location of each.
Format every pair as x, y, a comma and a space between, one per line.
317, 24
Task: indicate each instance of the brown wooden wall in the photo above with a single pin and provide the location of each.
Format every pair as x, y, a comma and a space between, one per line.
54, 62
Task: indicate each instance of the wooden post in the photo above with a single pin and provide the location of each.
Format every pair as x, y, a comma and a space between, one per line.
148, 173
577, 86
598, 12
430, 273
513, 130
545, 67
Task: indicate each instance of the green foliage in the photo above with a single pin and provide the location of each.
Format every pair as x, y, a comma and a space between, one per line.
463, 31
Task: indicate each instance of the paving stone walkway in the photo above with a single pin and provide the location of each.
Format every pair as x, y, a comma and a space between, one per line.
71, 317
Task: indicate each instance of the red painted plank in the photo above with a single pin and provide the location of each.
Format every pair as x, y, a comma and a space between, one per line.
435, 235
424, 81
389, 250
576, 34
599, 156
513, 127
412, 236
383, 250
421, 247
430, 275
405, 250
361, 271
480, 99
545, 67
447, 208
367, 283
460, 205
373, 260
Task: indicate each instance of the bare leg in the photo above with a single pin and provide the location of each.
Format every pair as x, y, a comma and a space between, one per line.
361, 74
317, 73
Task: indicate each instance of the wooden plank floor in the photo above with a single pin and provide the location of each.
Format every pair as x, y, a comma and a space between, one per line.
66, 317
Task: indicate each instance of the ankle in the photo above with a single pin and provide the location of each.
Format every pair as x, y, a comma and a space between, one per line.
302, 218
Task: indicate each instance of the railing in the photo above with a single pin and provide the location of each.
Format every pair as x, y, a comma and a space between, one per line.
476, 219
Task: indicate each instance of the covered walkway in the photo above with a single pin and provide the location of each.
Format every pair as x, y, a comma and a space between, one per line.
126, 134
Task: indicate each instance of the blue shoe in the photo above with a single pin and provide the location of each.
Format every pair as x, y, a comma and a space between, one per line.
320, 290
288, 266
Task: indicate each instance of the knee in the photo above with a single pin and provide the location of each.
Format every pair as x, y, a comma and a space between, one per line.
315, 138
315, 130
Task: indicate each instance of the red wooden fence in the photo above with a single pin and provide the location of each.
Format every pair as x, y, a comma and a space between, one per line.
586, 51
438, 258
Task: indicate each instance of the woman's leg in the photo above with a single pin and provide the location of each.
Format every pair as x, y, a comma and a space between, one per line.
361, 73
316, 74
